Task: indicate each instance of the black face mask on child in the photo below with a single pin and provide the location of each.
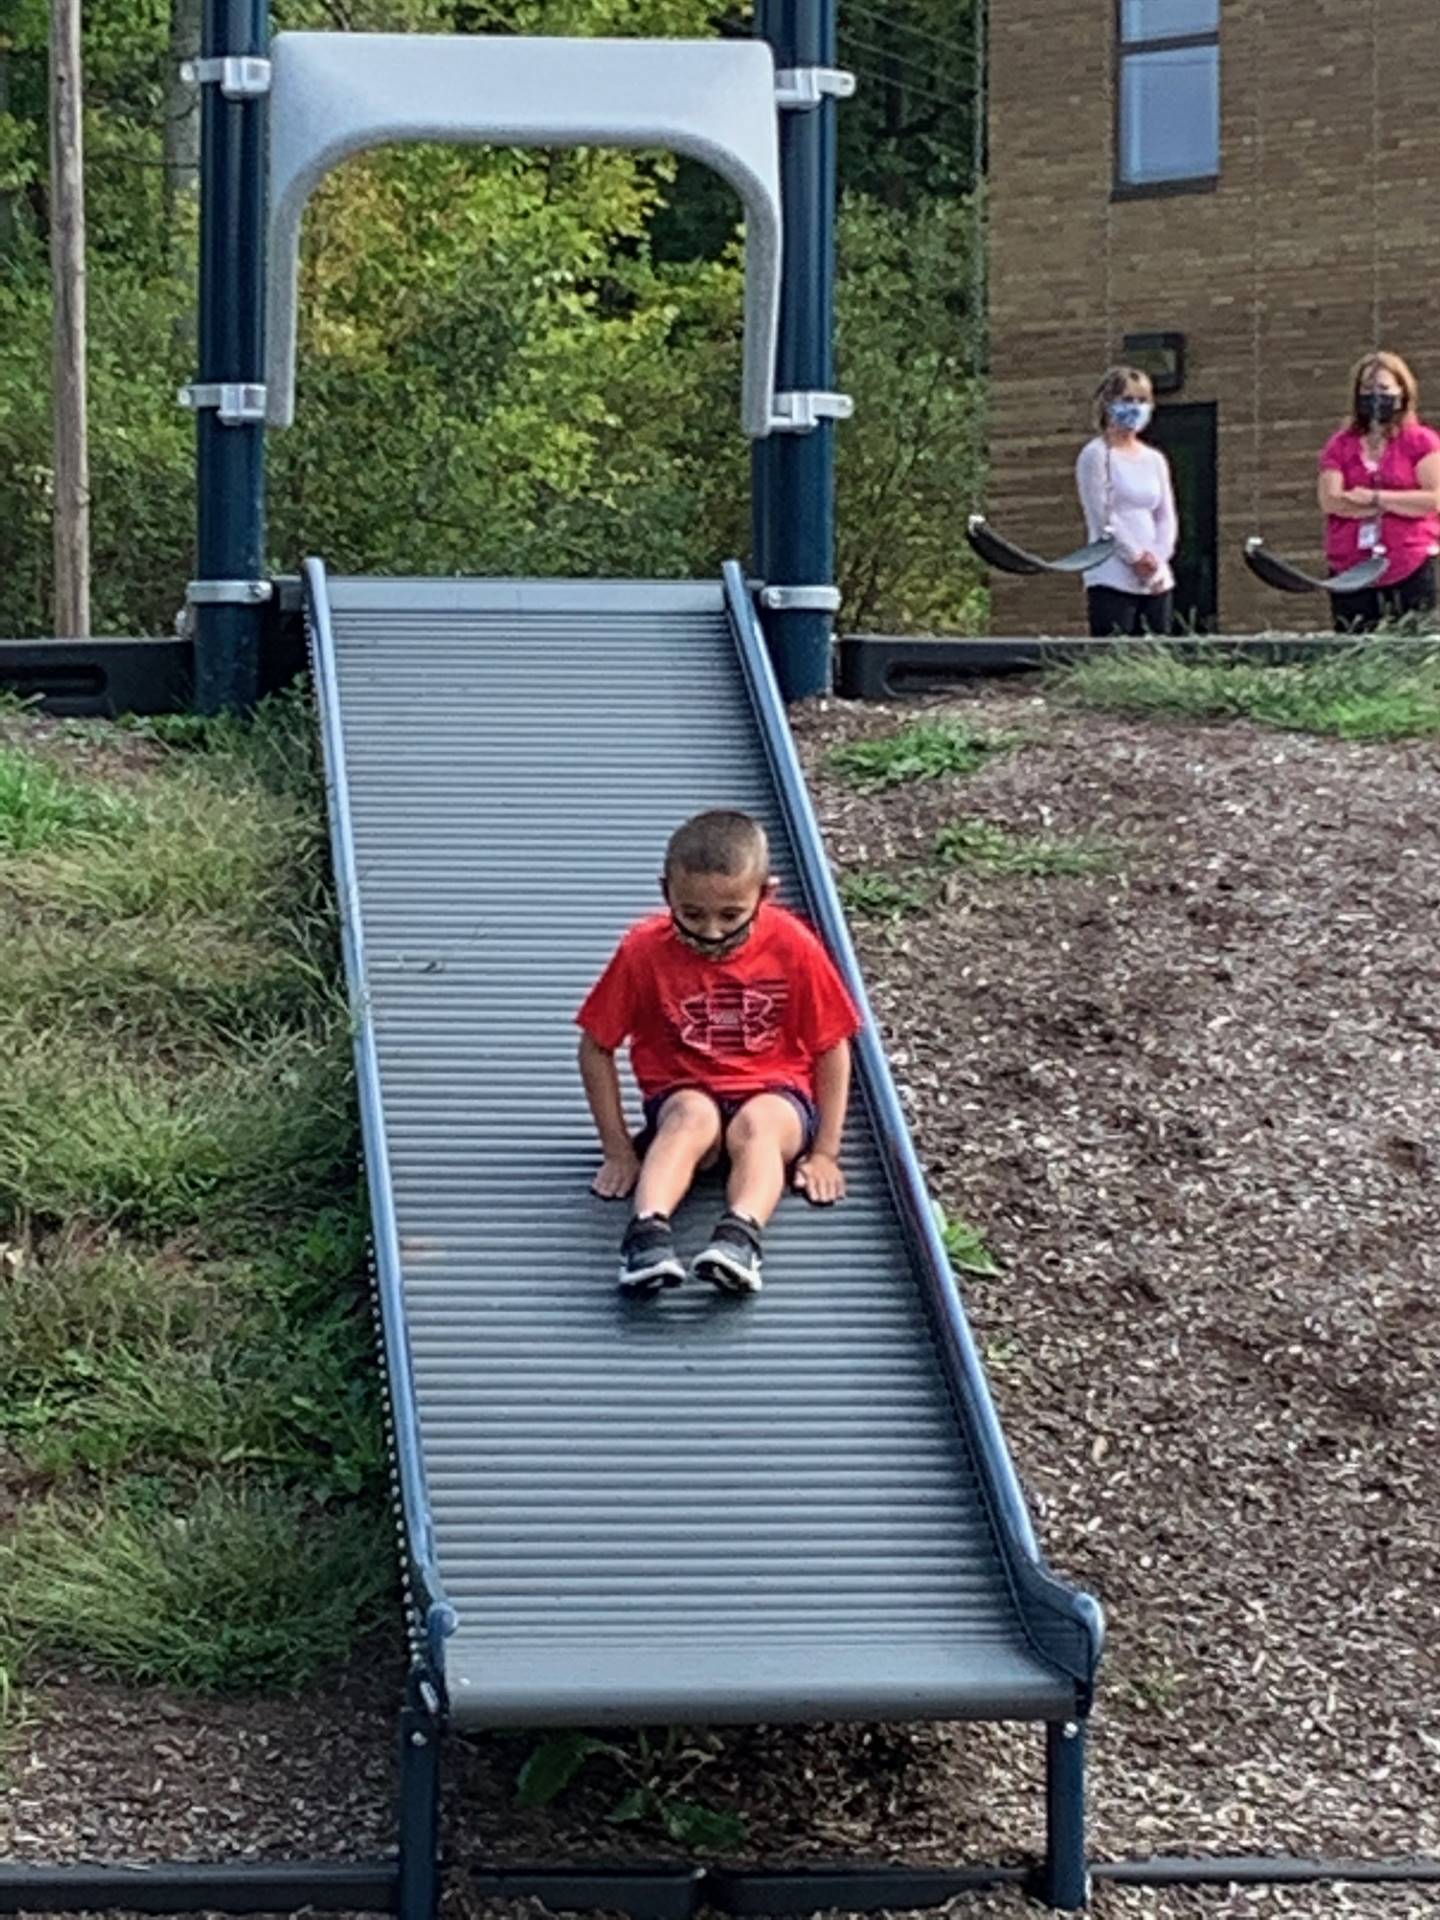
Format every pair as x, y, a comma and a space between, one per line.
1377, 409
722, 945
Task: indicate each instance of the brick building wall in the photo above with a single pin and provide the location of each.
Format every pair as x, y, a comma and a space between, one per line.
1285, 240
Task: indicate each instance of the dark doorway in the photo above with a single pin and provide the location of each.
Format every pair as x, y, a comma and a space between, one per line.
1185, 434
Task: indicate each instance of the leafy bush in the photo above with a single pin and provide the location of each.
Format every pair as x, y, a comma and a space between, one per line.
911, 462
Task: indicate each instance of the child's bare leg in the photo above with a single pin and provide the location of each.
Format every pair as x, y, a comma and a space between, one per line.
687, 1134
762, 1140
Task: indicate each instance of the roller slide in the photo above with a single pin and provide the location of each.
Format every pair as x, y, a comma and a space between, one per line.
798, 1507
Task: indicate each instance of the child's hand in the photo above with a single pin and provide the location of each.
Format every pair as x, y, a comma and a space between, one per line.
618, 1174
820, 1178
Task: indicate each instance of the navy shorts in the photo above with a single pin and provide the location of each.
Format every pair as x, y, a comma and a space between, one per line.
730, 1105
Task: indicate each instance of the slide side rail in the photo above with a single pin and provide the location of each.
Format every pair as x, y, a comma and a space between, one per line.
1065, 1625
432, 1613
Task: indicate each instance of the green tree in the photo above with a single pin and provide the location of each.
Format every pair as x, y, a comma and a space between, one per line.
911, 462
909, 135
506, 362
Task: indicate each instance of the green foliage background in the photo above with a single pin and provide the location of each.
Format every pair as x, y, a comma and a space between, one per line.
510, 362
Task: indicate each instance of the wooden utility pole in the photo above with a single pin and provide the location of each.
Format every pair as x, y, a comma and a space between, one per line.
67, 268
182, 128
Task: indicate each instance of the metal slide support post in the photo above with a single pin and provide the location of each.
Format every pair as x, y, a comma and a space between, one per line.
229, 593
420, 1730
793, 473
1065, 1878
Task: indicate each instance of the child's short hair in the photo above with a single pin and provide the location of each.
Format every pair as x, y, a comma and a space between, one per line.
719, 842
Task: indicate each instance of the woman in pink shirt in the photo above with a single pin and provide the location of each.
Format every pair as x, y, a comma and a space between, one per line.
1380, 488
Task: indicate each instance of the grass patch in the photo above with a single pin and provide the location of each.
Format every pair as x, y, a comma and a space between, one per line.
225, 834
1372, 691
883, 896
44, 809
144, 985
924, 750
89, 1135
190, 848
114, 1361
976, 845
185, 1383
984, 847
276, 753
237, 1586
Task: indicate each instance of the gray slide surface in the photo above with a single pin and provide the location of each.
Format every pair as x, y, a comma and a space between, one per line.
694, 1509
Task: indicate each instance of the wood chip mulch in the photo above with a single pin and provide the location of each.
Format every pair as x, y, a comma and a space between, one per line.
1194, 1104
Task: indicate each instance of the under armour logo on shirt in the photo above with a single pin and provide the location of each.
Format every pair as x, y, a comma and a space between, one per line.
734, 1018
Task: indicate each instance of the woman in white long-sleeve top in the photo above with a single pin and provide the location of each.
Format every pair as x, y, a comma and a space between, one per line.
1125, 488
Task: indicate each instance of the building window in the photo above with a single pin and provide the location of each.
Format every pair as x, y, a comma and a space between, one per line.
1168, 126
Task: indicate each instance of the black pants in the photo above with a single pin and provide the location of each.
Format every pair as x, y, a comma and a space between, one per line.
1362, 612
1113, 611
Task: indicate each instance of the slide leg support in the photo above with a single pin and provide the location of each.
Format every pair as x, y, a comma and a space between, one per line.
1064, 1880
420, 1729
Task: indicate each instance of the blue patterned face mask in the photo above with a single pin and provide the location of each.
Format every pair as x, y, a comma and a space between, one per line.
1131, 416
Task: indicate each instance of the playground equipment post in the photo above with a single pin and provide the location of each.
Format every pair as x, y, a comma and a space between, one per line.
794, 473
229, 594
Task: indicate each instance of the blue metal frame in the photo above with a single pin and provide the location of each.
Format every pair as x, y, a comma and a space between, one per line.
1064, 1879
793, 474
1065, 1625
436, 1612
230, 460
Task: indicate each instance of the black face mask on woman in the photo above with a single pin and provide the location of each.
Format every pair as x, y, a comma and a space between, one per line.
1377, 409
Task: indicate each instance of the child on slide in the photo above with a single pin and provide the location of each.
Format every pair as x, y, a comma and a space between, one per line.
739, 1028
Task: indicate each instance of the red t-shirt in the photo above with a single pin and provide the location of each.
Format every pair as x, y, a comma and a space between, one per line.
1407, 543
736, 1026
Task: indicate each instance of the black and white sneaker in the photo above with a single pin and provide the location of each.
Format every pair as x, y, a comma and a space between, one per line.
648, 1260
731, 1262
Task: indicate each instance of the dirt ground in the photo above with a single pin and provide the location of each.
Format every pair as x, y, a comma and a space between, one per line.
1194, 1104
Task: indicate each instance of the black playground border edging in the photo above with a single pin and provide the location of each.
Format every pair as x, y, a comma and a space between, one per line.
100, 679
647, 1893
103, 678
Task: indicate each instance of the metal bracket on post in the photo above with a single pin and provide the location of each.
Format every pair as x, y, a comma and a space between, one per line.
803, 412
228, 593
800, 599
238, 403
799, 88
239, 76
